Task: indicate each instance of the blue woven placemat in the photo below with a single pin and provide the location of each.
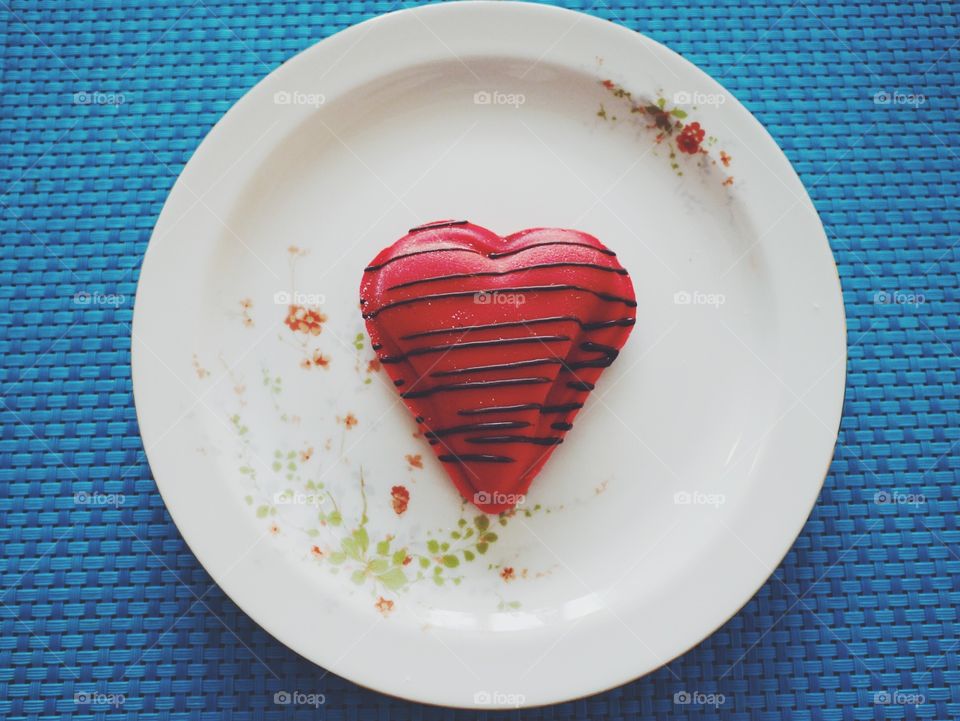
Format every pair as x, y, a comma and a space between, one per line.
105, 608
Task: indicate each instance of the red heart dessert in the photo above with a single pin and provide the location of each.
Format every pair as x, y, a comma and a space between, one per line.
495, 343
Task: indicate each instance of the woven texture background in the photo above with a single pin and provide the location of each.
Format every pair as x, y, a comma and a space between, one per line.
98, 599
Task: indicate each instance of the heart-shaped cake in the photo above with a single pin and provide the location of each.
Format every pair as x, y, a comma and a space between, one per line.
495, 343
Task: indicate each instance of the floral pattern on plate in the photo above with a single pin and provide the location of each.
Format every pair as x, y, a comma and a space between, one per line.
369, 553
670, 125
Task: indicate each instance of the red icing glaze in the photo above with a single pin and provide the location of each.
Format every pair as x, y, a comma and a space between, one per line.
495, 343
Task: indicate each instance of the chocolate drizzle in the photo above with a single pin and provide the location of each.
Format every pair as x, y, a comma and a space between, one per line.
519, 289
492, 256
535, 440
498, 367
515, 408
621, 322
474, 458
617, 322
498, 273
608, 355
507, 253
474, 385
471, 427
452, 249
473, 344
518, 407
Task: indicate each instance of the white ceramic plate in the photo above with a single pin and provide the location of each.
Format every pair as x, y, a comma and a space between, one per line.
292, 470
